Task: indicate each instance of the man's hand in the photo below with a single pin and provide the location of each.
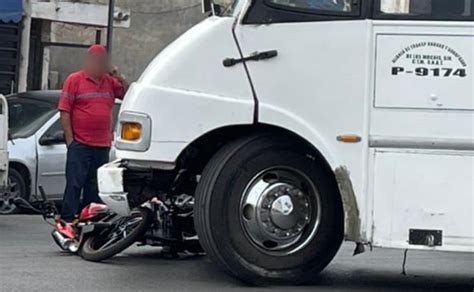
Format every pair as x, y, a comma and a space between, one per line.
69, 140
66, 123
114, 71
117, 75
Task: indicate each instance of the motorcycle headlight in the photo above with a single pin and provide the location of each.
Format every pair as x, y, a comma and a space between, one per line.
134, 132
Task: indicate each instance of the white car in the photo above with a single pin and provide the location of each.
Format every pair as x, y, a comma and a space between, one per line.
37, 147
4, 189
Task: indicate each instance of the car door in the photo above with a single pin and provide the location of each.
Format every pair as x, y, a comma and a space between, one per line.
52, 158
52, 161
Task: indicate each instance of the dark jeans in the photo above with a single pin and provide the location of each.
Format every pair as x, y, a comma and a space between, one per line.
81, 177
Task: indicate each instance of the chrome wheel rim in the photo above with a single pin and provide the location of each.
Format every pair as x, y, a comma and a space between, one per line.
6, 199
280, 211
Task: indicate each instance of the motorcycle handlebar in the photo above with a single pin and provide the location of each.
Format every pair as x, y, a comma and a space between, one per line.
46, 208
24, 204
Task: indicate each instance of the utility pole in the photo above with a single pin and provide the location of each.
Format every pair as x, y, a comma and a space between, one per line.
25, 48
110, 26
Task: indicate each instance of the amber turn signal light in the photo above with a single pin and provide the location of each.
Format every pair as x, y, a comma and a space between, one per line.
131, 131
349, 138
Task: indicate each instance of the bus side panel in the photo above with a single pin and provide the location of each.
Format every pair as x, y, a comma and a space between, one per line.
421, 135
424, 190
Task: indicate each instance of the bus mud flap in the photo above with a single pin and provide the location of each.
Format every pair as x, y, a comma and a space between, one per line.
351, 210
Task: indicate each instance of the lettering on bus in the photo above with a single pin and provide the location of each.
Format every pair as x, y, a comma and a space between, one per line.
429, 59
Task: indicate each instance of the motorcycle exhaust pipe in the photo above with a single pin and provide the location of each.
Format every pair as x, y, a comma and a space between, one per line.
60, 240
64, 243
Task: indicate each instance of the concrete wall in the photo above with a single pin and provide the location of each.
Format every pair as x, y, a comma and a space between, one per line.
154, 24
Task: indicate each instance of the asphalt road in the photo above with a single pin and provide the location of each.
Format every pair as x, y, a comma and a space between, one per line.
29, 261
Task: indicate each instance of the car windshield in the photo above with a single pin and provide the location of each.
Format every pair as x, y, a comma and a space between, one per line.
27, 115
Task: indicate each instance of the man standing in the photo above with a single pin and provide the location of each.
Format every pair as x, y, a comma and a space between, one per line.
86, 105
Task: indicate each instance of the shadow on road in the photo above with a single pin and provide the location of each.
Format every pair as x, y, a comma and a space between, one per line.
337, 276
29, 260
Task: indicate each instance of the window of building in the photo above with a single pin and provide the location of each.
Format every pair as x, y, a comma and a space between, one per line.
427, 9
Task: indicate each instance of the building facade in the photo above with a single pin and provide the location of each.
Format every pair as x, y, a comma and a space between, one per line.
153, 25
48, 38
11, 15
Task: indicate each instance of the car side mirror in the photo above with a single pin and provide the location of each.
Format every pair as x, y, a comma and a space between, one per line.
52, 139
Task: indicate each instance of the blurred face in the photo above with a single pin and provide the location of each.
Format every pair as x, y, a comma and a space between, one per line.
96, 66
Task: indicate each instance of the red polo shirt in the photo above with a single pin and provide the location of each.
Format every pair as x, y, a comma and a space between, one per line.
90, 104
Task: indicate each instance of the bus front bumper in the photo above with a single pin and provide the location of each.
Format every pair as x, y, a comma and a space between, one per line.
111, 187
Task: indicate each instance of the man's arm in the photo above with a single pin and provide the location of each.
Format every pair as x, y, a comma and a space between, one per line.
121, 79
65, 106
66, 123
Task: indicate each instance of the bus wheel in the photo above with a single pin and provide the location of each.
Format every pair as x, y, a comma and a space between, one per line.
267, 212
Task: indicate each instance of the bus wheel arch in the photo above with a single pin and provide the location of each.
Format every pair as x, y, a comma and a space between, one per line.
209, 143
352, 224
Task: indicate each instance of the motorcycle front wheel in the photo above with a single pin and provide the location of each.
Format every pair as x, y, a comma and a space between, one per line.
125, 232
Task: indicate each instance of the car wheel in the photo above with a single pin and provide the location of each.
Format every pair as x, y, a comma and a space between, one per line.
17, 189
267, 212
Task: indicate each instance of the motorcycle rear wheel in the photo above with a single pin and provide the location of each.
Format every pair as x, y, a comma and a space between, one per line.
104, 245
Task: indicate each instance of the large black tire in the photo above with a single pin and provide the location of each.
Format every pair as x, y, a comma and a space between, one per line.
19, 189
90, 253
218, 213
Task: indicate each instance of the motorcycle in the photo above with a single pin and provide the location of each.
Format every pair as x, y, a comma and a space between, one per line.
98, 233
172, 226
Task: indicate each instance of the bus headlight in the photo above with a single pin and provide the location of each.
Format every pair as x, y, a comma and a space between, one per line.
134, 132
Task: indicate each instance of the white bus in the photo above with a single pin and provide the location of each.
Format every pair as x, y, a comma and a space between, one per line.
300, 123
